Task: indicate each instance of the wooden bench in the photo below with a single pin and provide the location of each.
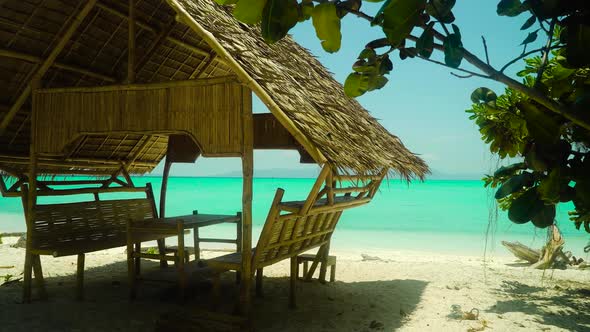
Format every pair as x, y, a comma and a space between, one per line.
67, 229
292, 228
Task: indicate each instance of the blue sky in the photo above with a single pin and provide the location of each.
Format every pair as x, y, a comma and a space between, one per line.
423, 103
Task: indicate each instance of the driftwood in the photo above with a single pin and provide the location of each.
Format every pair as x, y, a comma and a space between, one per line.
550, 256
522, 252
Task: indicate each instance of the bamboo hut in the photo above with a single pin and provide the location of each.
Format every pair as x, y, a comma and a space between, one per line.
113, 87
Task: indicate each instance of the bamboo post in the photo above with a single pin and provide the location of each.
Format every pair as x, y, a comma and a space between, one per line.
130, 265
31, 199
239, 240
163, 193
131, 45
330, 187
181, 256
80, 278
247, 171
39, 280
293, 288
47, 63
196, 240
259, 273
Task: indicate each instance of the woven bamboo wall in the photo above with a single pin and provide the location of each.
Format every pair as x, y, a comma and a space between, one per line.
210, 113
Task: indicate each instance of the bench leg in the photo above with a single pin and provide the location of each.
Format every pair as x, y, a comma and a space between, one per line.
131, 270
39, 280
324, 262
259, 282
293, 286
197, 243
305, 268
27, 278
162, 251
181, 260
80, 278
137, 259
215, 290
333, 273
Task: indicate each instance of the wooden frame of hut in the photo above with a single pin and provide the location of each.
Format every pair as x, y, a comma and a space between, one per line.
112, 87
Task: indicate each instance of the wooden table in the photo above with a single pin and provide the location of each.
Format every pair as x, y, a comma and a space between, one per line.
175, 226
170, 225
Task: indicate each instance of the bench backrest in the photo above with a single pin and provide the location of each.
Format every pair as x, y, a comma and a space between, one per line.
292, 228
57, 225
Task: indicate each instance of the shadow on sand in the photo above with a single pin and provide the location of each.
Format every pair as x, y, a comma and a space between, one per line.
563, 306
357, 305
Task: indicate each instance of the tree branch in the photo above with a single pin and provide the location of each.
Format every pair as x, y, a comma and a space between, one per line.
546, 50
471, 73
524, 55
485, 47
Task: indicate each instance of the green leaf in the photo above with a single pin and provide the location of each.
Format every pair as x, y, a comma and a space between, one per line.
306, 10
356, 85
441, 10
327, 26
385, 65
529, 23
525, 207
532, 36
484, 95
541, 125
368, 54
378, 43
399, 18
545, 217
509, 170
514, 184
510, 8
249, 11
550, 187
425, 44
453, 50
535, 161
226, 2
278, 17
376, 82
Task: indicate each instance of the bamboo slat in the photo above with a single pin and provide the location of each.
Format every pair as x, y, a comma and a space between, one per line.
208, 110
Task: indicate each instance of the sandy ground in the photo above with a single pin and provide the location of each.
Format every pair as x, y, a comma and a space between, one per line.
402, 291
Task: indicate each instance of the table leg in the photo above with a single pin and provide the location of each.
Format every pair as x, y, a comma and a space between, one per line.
197, 244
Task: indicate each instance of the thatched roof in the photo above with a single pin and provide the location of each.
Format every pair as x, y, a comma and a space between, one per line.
207, 43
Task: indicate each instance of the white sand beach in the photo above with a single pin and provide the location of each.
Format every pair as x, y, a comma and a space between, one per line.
399, 291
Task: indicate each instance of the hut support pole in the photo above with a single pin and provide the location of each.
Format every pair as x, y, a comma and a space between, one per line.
32, 261
163, 192
247, 171
47, 63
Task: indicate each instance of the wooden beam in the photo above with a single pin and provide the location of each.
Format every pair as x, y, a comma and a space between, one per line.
148, 86
35, 59
71, 162
131, 44
47, 63
149, 28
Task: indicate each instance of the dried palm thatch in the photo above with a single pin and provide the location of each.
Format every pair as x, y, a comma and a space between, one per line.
205, 42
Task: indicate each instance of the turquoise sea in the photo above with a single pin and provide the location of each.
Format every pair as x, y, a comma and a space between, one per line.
445, 216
